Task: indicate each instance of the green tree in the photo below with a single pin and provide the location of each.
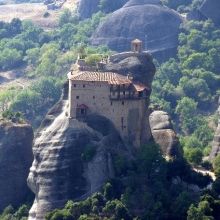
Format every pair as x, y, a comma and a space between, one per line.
186, 108
10, 58
150, 159
194, 156
93, 60
200, 212
32, 56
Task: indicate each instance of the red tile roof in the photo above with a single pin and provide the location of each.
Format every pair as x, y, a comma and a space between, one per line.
111, 78
137, 86
136, 41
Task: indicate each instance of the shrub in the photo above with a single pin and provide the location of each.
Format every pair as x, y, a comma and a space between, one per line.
88, 153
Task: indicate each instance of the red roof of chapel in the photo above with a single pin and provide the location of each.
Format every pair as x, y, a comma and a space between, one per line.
110, 77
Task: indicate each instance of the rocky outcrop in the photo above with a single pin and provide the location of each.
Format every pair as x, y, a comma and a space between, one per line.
88, 7
58, 174
163, 133
210, 8
15, 160
148, 20
140, 66
215, 151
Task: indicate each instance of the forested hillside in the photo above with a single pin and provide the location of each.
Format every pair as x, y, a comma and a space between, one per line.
186, 86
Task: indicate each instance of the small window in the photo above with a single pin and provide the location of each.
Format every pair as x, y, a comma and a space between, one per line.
77, 97
122, 102
103, 97
74, 85
124, 93
93, 97
113, 93
100, 85
111, 103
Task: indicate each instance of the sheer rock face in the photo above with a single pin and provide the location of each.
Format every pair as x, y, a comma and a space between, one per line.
215, 151
58, 173
140, 66
88, 7
210, 8
15, 160
138, 19
163, 133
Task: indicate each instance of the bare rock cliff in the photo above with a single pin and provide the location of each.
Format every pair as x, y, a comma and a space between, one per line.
15, 161
58, 173
88, 7
215, 151
148, 20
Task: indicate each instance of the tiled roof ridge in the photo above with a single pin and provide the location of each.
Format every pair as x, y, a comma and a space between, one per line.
110, 77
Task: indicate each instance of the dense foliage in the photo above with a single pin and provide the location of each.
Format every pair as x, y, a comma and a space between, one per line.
188, 87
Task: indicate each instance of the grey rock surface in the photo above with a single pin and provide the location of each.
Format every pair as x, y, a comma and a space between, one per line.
138, 19
139, 66
142, 2
210, 8
163, 133
15, 161
215, 150
87, 8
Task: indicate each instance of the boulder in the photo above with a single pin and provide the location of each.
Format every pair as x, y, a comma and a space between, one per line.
156, 25
163, 133
15, 161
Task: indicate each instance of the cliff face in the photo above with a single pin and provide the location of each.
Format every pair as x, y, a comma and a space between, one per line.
148, 20
215, 151
58, 173
88, 7
15, 160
